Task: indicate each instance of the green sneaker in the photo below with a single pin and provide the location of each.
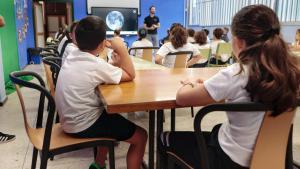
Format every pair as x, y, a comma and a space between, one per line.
96, 166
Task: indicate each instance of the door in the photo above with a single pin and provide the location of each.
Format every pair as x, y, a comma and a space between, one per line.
39, 25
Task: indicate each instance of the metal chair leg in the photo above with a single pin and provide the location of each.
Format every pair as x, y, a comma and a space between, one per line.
34, 158
173, 119
44, 161
95, 150
111, 156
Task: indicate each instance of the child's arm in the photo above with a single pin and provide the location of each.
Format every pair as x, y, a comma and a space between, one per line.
193, 94
193, 60
122, 59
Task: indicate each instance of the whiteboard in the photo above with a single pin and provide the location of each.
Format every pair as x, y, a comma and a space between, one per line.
113, 3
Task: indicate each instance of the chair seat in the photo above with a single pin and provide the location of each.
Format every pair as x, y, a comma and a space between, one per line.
59, 138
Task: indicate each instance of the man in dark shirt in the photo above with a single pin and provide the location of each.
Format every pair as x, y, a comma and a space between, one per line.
151, 23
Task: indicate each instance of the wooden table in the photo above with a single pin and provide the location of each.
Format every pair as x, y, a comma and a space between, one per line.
141, 64
152, 89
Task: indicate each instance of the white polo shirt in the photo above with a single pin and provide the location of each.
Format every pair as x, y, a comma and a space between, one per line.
237, 136
68, 50
169, 60
76, 94
140, 43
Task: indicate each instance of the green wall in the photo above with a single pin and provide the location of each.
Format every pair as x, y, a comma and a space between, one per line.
8, 38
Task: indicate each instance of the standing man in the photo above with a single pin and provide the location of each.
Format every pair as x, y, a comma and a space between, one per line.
3, 137
151, 23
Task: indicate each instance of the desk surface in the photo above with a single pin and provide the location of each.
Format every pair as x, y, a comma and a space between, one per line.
151, 89
141, 64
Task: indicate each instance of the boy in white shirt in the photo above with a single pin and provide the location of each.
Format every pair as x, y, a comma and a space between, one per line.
81, 111
69, 45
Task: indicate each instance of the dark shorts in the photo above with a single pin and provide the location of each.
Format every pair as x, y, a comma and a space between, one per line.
109, 125
184, 145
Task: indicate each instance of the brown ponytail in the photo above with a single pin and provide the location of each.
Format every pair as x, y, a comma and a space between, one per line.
273, 74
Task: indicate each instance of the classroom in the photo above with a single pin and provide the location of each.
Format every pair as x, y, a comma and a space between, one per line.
149, 84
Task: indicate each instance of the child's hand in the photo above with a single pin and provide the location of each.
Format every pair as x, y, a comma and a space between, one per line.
115, 57
116, 44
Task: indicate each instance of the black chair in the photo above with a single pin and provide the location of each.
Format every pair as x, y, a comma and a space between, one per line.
50, 140
273, 131
55, 65
51, 49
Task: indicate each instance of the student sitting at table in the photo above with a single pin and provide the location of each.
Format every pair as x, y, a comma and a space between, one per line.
266, 73
71, 44
178, 37
217, 35
81, 111
141, 42
201, 43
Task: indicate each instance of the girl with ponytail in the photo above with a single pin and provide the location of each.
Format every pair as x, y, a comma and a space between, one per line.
266, 73
141, 42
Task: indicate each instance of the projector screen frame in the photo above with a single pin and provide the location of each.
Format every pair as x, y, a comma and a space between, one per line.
87, 8
111, 32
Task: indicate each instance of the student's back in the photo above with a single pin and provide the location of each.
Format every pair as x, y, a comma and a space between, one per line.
82, 113
266, 73
178, 43
141, 42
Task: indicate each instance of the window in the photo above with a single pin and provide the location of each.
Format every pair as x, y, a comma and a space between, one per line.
220, 12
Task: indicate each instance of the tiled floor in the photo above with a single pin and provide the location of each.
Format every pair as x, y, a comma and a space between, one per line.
18, 154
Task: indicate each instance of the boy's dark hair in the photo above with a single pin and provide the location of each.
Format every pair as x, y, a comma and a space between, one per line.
178, 36
206, 31
90, 32
191, 32
218, 32
142, 33
117, 31
200, 37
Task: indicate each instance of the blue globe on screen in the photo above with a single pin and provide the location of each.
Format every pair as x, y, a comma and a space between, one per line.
115, 20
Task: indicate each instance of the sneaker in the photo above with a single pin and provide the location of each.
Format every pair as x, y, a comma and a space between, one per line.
96, 166
4, 138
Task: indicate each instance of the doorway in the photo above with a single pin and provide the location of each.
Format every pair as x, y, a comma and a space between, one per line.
57, 15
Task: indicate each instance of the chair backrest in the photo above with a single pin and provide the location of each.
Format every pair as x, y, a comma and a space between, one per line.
205, 53
147, 52
271, 145
52, 68
51, 50
181, 58
224, 49
16, 78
